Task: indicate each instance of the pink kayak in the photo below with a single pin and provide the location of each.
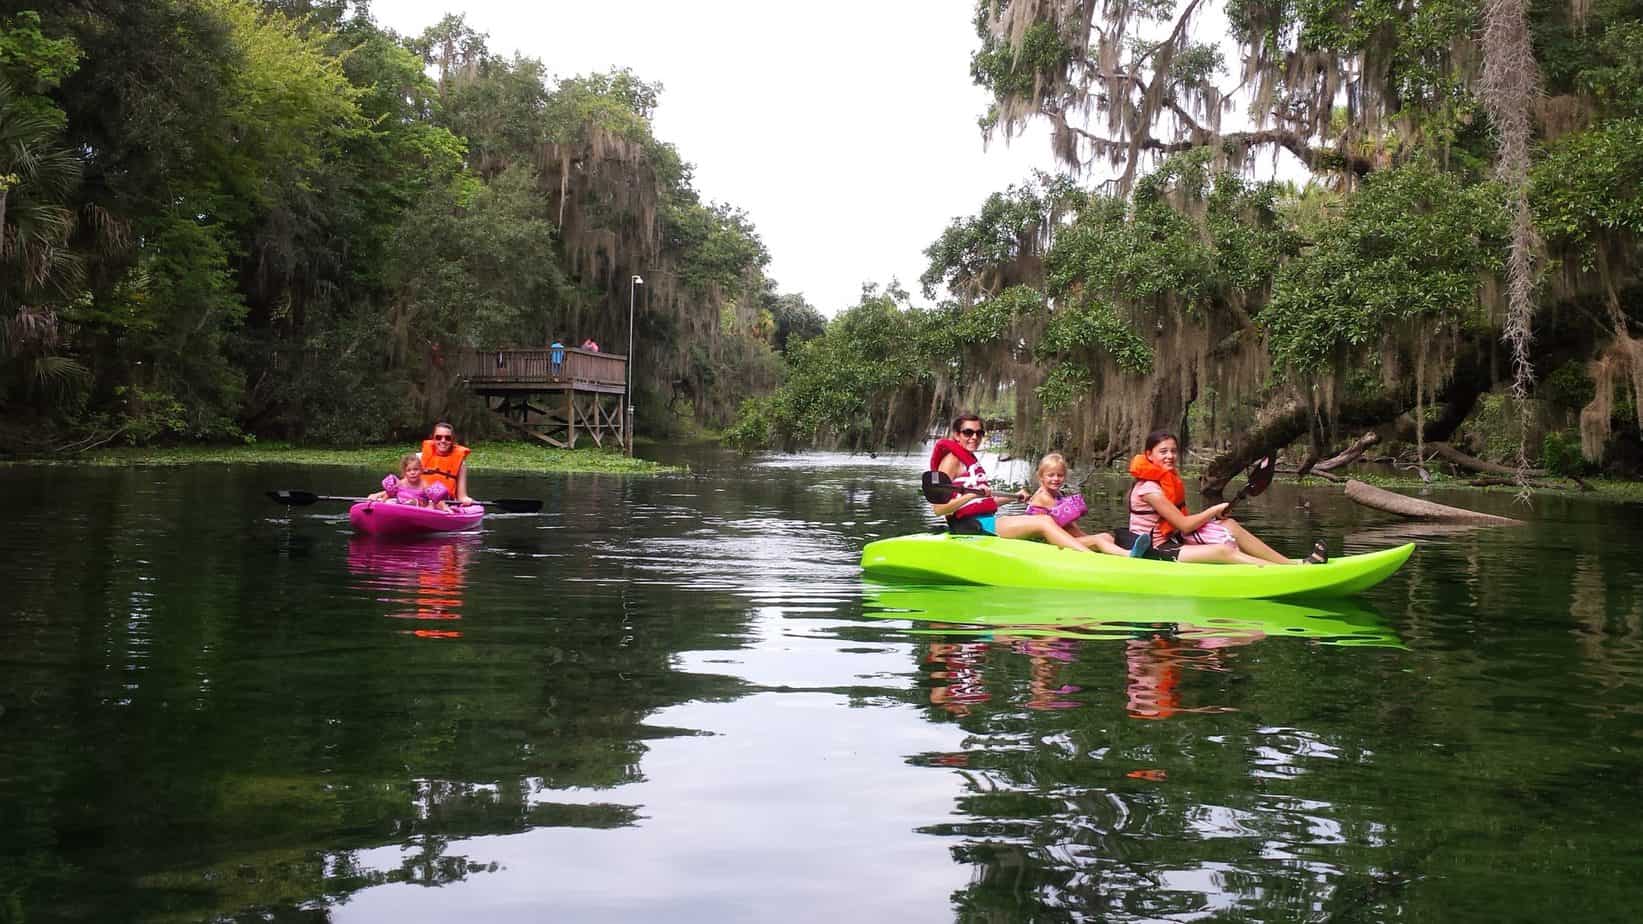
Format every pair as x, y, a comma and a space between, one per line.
384, 519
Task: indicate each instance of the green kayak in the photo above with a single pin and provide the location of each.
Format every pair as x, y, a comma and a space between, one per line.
1082, 614
949, 559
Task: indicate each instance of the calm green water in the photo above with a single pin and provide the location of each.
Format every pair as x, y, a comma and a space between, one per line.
674, 698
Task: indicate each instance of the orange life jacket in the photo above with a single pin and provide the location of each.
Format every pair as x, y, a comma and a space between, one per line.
443, 469
1175, 491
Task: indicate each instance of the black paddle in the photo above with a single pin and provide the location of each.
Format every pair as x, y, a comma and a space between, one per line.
1260, 476
304, 498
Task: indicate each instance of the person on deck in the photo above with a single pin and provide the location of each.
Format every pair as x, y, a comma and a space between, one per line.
590, 346
974, 511
1161, 527
556, 358
445, 462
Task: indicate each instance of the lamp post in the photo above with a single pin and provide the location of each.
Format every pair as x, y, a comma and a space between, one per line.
627, 388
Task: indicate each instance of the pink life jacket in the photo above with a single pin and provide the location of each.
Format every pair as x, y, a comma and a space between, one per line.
425, 495
1069, 508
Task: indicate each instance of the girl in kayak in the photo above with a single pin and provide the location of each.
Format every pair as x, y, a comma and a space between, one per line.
974, 511
410, 488
1065, 510
1161, 527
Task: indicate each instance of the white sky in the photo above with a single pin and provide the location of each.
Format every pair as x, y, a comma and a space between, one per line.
847, 130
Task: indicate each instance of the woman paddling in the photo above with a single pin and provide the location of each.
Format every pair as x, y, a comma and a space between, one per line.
1161, 527
445, 462
974, 512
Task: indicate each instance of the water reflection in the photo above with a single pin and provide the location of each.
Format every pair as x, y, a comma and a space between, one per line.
666, 703
1162, 639
1113, 617
422, 579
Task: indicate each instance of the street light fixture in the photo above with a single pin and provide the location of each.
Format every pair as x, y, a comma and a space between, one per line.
627, 388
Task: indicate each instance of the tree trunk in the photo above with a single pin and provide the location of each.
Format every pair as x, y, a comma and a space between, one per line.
1404, 506
1288, 426
1351, 455
1474, 464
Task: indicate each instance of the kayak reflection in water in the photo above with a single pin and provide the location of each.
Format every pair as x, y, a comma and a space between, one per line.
423, 580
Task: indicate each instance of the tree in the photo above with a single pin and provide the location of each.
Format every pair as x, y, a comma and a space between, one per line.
1129, 88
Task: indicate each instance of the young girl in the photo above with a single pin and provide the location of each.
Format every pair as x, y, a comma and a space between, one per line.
1048, 500
1161, 527
408, 487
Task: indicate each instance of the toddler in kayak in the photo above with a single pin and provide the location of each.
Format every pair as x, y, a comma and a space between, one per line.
1065, 509
409, 488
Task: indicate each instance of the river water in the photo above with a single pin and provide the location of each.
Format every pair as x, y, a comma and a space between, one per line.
675, 698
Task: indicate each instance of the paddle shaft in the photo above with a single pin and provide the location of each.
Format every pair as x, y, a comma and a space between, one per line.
304, 498
953, 490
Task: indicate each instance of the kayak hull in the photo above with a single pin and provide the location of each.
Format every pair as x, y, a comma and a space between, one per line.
949, 559
377, 518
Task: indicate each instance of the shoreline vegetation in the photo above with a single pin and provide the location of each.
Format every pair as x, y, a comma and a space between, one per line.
498, 457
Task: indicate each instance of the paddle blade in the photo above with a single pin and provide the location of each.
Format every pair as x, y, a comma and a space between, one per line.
1260, 476
515, 504
938, 488
293, 498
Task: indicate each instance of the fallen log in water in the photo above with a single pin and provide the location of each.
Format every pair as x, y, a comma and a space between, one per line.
1406, 506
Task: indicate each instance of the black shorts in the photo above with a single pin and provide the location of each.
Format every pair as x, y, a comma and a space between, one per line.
971, 526
1169, 550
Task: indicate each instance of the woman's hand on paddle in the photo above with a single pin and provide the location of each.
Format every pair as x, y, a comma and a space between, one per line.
950, 506
1023, 495
1218, 510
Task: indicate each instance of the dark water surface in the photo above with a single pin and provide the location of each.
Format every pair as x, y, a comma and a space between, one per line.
675, 698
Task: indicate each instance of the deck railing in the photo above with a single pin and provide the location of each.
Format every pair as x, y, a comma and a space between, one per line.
521, 367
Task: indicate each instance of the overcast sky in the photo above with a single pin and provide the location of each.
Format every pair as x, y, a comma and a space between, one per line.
847, 130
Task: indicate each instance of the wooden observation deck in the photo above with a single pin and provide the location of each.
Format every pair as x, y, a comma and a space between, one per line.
582, 395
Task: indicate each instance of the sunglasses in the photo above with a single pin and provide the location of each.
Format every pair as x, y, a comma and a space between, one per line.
444, 439
969, 432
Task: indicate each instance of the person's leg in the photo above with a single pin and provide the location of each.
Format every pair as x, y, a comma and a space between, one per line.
1219, 553
1249, 544
1104, 542
1041, 526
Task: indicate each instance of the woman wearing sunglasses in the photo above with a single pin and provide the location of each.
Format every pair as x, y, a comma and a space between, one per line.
444, 462
975, 512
